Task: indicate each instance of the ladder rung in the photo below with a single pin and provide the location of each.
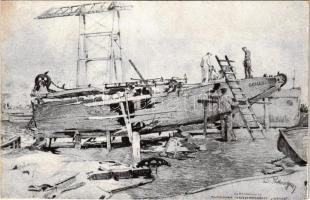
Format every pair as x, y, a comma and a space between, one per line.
230, 73
252, 121
244, 106
247, 113
233, 80
227, 68
243, 100
225, 60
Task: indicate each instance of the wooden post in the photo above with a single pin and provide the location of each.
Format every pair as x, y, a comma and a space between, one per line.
266, 113
127, 122
204, 120
18, 142
50, 143
77, 140
109, 145
136, 147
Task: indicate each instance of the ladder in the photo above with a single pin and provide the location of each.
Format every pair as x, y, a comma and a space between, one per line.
245, 109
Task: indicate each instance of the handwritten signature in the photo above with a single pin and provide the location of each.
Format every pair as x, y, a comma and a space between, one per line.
276, 180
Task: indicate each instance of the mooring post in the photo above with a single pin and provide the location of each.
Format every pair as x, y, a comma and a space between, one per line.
266, 113
136, 147
109, 145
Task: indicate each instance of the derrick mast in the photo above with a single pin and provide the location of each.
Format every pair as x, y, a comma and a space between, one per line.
99, 43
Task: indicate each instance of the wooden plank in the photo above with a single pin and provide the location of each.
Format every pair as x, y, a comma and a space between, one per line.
136, 148
75, 92
204, 121
134, 114
70, 134
120, 173
127, 122
109, 145
77, 140
266, 113
13, 142
119, 100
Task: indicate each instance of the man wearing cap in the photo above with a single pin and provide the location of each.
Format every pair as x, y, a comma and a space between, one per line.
247, 63
225, 110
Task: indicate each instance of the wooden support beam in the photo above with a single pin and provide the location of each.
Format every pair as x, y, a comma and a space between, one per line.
127, 122
136, 148
109, 145
71, 133
50, 143
266, 113
204, 120
77, 140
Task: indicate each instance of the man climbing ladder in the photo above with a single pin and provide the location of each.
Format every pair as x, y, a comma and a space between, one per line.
245, 109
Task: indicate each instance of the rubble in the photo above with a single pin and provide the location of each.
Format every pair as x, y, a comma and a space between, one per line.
14, 142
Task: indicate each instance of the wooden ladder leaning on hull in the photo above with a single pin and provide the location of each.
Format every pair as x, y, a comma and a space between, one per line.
245, 109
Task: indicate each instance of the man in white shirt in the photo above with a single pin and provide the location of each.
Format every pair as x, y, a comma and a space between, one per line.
208, 72
205, 65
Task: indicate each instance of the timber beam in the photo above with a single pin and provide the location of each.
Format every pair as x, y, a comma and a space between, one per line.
77, 10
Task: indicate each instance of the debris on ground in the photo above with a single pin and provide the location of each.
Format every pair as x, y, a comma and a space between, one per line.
40, 143
56, 182
109, 176
152, 162
116, 174
14, 142
179, 148
277, 165
178, 144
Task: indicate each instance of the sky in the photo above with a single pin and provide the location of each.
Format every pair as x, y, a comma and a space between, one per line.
162, 38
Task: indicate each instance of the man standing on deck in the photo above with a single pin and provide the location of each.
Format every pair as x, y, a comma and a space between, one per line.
207, 68
225, 110
247, 63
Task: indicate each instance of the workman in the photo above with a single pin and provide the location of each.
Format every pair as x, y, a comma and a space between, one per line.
226, 104
205, 65
213, 75
247, 63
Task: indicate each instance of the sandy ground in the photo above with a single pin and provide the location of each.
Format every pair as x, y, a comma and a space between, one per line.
223, 169
279, 186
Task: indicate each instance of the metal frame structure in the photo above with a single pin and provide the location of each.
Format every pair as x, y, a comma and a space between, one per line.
113, 60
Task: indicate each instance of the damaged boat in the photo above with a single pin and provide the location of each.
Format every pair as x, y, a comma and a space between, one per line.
144, 105
93, 109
